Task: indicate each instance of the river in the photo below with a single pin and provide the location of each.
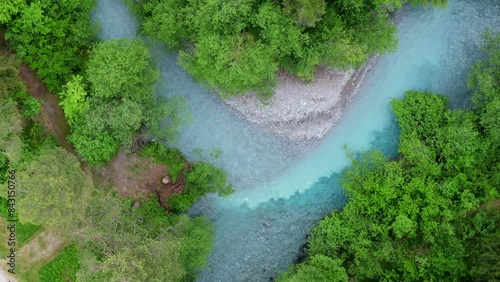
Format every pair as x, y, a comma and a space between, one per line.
282, 188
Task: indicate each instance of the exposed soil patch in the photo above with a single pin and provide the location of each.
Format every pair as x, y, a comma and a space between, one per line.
493, 204
42, 248
3, 44
138, 178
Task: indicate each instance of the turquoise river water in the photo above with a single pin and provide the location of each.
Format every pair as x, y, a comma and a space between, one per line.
283, 188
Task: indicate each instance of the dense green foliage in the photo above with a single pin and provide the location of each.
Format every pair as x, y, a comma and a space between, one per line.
10, 130
8, 8
119, 242
51, 36
9, 82
20, 136
4, 166
73, 99
53, 190
420, 218
201, 177
10, 117
62, 268
483, 242
118, 101
107, 100
318, 268
171, 157
35, 141
485, 79
237, 46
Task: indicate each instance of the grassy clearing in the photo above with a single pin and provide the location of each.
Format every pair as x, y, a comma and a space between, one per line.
39, 251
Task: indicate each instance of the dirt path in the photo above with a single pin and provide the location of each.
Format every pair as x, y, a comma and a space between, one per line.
51, 116
138, 178
42, 247
487, 205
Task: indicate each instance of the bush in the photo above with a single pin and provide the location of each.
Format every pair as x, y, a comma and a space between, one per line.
35, 141
182, 202
171, 157
62, 268
201, 179
52, 37
28, 105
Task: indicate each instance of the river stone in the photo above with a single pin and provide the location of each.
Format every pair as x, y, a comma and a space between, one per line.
299, 110
165, 180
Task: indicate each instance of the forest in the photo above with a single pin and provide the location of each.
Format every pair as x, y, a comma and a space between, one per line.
433, 213
430, 214
240, 45
107, 94
57, 191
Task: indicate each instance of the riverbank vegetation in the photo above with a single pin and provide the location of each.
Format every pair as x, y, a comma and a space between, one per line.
55, 192
197, 179
237, 47
51, 36
107, 94
431, 214
107, 107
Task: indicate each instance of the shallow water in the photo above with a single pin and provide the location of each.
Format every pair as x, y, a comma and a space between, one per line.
261, 228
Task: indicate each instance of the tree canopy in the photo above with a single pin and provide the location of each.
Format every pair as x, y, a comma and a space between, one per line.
54, 191
121, 69
16, 108
116, 98
10, 129
238, 46
51, 36
119, 242
8, 8
424, 216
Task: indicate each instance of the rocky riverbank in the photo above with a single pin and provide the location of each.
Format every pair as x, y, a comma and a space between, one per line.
304, 111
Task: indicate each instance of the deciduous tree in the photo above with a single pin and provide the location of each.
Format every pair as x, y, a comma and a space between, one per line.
52, 37
73, 99
10, 130
53, 190
120, 101
121, 243
238, 46
121, 69
9, 8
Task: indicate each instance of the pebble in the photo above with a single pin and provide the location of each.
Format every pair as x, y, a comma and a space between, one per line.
303, 111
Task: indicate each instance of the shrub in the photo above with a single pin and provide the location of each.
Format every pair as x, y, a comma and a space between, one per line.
62, 268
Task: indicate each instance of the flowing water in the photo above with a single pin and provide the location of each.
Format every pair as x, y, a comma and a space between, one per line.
282, 189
